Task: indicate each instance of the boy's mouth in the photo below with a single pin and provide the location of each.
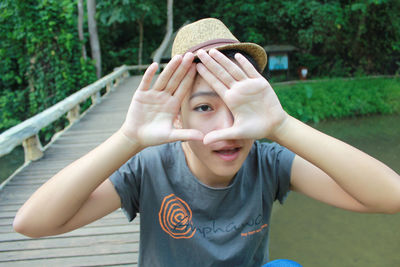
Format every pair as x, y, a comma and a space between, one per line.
228, 154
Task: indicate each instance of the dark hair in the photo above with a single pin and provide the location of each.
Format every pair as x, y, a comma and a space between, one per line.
230, 53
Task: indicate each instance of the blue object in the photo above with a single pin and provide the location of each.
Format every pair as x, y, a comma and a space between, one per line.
282, 263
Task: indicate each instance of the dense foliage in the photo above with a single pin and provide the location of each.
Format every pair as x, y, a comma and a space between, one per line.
42, 62
40, 56
334, 38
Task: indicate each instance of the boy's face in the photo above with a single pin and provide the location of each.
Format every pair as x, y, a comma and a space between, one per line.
204, 110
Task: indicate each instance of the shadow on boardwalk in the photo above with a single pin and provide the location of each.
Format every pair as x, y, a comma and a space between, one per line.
109, 241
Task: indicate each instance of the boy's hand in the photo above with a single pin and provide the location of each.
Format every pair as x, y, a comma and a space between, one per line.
150, 117
254, 105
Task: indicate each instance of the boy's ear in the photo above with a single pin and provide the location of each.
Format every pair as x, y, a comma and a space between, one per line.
178, 121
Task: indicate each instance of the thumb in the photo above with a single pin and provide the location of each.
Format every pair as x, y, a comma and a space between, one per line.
185, 135
219, 135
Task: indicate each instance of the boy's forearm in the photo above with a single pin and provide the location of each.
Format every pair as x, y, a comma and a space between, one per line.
62, 196
366, 179
101, 162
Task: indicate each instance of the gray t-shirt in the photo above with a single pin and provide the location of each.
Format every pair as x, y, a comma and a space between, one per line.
184, 222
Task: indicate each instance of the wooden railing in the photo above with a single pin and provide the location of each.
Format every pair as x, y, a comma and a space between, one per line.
26, 133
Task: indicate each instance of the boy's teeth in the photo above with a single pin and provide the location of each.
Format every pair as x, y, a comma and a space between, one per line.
228, 151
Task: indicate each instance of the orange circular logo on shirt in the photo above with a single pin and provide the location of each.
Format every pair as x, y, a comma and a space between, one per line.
175, 217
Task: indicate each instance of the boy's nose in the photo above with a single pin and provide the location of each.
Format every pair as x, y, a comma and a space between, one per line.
225, 119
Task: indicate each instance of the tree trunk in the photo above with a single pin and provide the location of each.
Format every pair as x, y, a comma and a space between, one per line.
94, 38
140, 22
167, 37
80, 28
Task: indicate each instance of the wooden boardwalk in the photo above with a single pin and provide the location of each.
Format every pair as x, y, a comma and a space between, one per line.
111, 241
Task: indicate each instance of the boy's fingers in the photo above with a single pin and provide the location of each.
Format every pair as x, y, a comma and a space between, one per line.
148, 77
219, 135
186, 135
184, 86
213, 81
214, 67
247, 66
166, 74
234, 70
180, 73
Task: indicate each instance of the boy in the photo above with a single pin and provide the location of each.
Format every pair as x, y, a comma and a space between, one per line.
203, 186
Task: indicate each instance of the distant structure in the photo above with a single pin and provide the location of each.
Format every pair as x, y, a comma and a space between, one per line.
278, 57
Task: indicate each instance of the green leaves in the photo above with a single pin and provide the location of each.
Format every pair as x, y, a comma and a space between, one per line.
336, 98
40, 55
121, 11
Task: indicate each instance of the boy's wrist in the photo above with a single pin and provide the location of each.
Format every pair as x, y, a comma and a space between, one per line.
281, 131
129, 135
128, 142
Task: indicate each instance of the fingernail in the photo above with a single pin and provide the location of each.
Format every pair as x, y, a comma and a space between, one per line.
188, 54
238, 55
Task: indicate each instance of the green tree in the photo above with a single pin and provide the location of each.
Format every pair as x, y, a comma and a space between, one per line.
94, 36
117, 12
169, 30
40, 55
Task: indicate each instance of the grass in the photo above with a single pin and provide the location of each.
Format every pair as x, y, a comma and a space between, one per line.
317, 100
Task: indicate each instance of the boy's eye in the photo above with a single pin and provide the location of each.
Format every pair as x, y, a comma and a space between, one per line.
203, 108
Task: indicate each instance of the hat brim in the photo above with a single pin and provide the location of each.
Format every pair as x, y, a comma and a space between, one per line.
254, 50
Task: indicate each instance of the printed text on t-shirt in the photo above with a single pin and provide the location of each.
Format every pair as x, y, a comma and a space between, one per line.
175, 217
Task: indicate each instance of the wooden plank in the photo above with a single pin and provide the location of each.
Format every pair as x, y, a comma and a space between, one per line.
84, 231
89, 260
8, 207
94, 248
108, 241
73, 241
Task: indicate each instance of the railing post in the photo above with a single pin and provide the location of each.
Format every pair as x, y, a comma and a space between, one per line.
125, 74
33, 148
73, 114
96, 98
116, 82
109, 87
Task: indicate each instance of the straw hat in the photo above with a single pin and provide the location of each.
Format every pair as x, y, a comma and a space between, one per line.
212, 33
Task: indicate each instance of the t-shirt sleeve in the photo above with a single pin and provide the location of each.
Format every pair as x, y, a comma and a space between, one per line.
126, 181
279, 162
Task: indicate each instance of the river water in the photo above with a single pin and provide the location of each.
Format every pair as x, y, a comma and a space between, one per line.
315, 234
